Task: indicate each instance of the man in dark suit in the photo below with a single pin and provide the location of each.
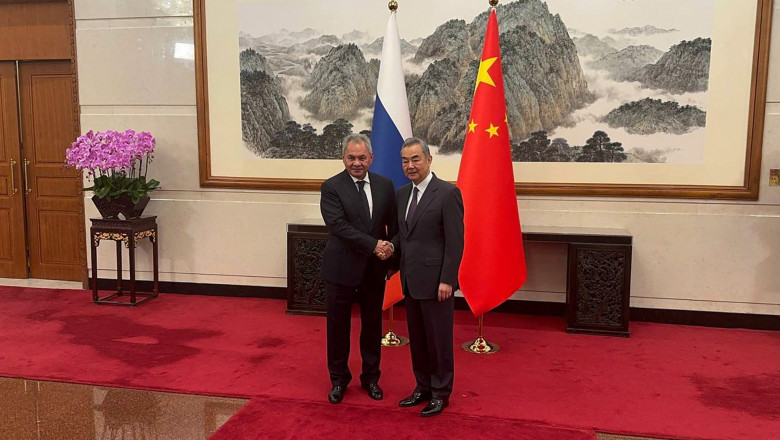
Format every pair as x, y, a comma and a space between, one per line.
430, 243
359, 209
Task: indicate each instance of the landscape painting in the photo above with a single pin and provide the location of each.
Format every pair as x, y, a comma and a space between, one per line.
592, 88
603, 97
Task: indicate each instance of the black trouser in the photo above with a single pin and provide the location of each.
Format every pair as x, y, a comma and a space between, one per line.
430, 325
369, 294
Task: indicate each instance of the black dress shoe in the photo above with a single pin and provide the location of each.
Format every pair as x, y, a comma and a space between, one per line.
374, 391
336, 395
435, 406
416, 398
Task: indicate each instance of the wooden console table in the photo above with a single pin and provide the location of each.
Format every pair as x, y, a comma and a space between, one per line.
127, 232
598, 284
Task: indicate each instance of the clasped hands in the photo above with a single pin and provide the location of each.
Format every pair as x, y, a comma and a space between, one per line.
383, 249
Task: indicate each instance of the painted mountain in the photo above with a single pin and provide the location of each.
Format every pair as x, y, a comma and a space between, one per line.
568, 99
542, 75
684, 68
650, 116
626, 64
592, 46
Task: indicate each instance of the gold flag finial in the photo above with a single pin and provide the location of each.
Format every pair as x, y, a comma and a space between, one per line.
493, 3
393, 5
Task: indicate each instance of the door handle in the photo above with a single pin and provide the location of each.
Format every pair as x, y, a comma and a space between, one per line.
27, 189
14, 189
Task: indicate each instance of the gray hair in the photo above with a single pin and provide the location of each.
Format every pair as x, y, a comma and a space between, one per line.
417, 141
356, 137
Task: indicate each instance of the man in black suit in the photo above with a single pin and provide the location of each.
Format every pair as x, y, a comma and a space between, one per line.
430, 243
359, 209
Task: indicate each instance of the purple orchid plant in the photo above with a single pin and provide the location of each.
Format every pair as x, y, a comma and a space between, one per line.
115, 162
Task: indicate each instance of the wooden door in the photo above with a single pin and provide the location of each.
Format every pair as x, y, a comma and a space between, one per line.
13, 252
54, 200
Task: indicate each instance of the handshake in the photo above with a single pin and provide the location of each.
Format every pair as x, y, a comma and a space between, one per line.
383, 249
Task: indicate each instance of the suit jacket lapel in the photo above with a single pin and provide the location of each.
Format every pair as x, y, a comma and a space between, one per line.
403, 200
425, 200
375, 196
354, 196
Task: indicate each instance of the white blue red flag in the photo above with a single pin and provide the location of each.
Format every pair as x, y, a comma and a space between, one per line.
391, 110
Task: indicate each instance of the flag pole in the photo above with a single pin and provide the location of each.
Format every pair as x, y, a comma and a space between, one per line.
480, 345
391, 339
493, 287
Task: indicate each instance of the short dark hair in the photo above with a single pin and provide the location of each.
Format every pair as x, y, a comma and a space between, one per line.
417, 141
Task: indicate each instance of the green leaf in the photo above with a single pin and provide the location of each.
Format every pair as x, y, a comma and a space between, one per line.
102, 191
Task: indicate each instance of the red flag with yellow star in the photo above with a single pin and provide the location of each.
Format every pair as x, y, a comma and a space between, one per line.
493, 265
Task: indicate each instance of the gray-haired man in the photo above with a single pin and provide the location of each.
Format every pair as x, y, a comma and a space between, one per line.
359, 209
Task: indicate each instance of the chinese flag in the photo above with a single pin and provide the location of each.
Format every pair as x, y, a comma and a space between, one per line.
493, 265
393, 291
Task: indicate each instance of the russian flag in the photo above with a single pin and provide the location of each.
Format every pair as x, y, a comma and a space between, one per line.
391, 110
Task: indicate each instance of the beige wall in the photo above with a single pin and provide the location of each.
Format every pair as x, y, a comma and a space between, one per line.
690, 255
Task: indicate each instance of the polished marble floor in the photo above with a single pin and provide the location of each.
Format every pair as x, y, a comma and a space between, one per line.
42, 410
38, 410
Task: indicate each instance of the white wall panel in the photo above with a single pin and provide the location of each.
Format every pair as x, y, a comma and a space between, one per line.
95, 9
137, 62
688, 254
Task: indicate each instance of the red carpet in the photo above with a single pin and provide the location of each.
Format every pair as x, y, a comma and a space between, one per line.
285, 419
664, 381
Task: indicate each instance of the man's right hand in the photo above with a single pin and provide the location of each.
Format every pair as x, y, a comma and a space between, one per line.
383, 249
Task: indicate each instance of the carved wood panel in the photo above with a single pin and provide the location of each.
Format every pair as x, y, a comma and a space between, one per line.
599, 288
305, 289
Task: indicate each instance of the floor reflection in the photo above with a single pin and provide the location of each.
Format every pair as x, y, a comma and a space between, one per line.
37, 410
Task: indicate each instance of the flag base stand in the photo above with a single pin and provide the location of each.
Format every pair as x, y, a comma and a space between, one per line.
480, 345
390, 339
